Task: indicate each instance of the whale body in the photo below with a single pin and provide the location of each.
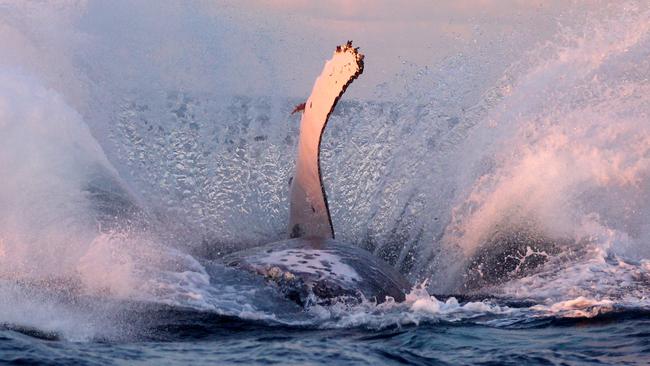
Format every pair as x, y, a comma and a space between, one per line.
322, 271
311, 267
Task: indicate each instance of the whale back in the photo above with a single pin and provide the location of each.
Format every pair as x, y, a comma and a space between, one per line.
309, 212
322, 271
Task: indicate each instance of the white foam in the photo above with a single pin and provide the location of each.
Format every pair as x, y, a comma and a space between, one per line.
419, 307
580, 307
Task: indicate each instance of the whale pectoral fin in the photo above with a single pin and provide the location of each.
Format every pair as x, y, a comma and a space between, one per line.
309, 212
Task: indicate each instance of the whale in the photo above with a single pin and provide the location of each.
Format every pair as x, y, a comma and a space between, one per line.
311, 267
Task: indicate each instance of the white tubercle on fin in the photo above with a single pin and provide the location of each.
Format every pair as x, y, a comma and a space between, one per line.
309, 214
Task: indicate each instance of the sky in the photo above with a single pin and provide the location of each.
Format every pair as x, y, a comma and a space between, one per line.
271, 47
392, 34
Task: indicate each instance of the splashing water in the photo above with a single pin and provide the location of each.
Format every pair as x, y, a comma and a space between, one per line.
565, 152
125, 173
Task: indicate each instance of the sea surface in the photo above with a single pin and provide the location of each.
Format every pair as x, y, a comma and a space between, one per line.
191, 337
508, 181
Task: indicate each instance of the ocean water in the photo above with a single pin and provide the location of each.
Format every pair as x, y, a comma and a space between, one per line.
509, 181
209, 339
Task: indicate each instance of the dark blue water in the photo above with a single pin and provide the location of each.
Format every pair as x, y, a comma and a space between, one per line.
195, 338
